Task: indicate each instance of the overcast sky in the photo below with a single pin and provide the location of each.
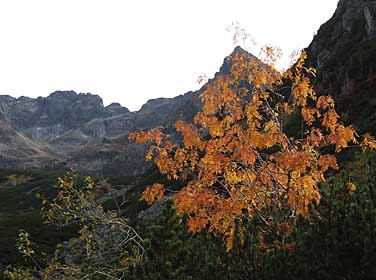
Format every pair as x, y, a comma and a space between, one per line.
132, 51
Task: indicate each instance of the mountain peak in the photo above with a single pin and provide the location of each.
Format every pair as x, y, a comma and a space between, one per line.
228, 61
63, 94
238, 50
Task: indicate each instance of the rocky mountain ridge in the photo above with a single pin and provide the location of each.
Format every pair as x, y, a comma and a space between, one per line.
67, 129
70, 130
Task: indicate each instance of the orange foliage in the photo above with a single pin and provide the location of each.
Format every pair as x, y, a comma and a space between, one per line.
368, 142
152, 193
351, 186
237, 160
327, 161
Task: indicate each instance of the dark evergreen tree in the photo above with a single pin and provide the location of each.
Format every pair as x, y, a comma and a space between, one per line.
339, 242
171, 252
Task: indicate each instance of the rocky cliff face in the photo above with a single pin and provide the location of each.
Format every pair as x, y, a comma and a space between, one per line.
67, 129
344, 53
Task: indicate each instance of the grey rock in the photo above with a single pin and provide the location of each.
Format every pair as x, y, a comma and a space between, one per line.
70, 130
116, 109
344, 54
352, 25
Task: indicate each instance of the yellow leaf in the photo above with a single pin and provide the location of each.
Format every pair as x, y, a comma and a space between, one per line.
152, 193
351, 186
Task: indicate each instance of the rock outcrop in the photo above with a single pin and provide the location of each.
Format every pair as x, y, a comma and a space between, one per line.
344, 53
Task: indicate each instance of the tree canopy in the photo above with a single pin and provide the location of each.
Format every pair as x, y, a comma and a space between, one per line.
238, 160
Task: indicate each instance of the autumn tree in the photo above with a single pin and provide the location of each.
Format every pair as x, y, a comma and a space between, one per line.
237, 159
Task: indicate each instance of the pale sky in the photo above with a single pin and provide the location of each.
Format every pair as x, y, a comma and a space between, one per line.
132, 51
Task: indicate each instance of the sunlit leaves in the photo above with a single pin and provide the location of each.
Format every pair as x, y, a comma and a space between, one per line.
152, 193
325, 102
342, 136
302, 192
141, 137
327, 161
309, 115
368, 142
330, 119
237, 160
190, 134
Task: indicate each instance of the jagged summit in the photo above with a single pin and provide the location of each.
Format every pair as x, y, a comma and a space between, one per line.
116, 109
63, 94
80, 132
238, 50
